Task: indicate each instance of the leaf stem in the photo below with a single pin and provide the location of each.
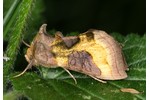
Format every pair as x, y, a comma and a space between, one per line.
10, 12
17, 34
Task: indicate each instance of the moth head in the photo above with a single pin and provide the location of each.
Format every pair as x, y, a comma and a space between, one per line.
41, 37
29, 54
29, 58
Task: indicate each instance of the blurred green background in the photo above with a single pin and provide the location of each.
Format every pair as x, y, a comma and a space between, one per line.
123, 16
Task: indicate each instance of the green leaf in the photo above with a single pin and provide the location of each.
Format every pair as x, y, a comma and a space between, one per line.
56, 84
14, 95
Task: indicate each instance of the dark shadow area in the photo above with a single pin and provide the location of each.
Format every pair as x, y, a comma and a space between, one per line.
123, 16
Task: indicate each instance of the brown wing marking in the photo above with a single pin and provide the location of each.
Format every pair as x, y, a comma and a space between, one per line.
68, 41
81, 61
71, 40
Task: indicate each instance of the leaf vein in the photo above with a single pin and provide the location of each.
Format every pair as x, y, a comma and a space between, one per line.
92, 94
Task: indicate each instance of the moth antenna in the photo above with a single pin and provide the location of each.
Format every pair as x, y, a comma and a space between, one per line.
26, 43
98, 79
43, 29
71, 75
29, 66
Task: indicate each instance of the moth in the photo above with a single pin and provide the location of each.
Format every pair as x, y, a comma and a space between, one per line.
94, 53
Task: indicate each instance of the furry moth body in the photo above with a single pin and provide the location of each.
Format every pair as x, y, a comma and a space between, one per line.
94, 53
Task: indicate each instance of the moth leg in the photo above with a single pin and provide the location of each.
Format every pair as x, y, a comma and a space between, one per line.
29, 66
71, 75
98, 79
25, 43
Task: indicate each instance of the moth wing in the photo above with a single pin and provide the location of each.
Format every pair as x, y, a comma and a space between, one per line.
115, 58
